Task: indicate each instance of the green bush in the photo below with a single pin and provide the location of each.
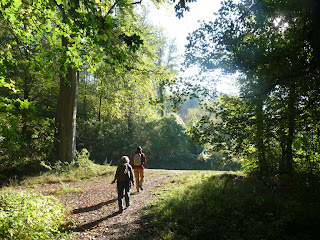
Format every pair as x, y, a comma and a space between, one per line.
81, 163
29, 216
23, 143
164, 141
106, 141
78, 169
232, 206
168, 146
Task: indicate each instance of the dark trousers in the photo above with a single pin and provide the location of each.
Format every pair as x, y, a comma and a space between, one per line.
123, 187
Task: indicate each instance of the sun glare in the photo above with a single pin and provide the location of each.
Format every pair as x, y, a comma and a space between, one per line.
281, 24
277, 21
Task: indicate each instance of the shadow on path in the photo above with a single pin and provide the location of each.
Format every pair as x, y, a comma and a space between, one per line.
94, 207
84, 227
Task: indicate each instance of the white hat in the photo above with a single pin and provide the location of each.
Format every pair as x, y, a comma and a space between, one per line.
125, 159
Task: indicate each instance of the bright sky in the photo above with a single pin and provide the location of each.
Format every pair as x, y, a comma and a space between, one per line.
178, 29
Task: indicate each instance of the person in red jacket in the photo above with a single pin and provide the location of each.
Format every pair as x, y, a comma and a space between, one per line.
138, 159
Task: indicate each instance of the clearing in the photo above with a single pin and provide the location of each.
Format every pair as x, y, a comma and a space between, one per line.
94, 210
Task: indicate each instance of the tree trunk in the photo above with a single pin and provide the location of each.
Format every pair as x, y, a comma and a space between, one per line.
286, 163
65, 134
28, 80
85, 95
26, 133
282, 161
291, 128
65, 124
160, 87
129, 117
100, 105
259, 136
314, 34
161, 99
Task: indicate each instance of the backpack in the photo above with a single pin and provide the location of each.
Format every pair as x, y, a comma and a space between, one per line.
137, 159
124, 173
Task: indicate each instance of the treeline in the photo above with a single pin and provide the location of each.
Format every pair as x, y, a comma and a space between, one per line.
273, 48
87, 74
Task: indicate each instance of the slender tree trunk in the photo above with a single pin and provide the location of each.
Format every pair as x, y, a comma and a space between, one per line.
260, 136
85, 95
26, 91
129, 117
291, 128
282, 162
161, 98
160, 87
286, 163
27, 85
130, 126
100, 104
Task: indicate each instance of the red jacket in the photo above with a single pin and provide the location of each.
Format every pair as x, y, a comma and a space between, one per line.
143, 160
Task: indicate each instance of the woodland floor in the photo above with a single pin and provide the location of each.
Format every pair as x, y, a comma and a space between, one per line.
94, 212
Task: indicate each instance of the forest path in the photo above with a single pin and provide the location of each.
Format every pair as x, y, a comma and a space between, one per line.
94, 212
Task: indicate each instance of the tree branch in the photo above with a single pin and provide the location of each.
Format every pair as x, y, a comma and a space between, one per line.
115, 4
136, 2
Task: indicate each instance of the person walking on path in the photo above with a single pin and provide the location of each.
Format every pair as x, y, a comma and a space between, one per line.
124, 178
138, 159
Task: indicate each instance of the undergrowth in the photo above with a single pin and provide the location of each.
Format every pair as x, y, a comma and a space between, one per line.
34, 216
81, 168
231, 206
30, 216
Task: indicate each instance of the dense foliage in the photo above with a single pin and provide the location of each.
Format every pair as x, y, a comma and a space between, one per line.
24, 216
92, 66
273, 126
45, 42
92, 77
231, 206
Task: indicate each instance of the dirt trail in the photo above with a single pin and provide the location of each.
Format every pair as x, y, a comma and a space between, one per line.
94, 212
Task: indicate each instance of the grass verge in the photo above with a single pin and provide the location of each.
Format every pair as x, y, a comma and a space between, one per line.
232, 206
81, 168
65, 189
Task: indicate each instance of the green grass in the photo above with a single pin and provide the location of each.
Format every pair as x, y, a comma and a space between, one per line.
80, 169
34, 216
65, 189
231, 206
73, 175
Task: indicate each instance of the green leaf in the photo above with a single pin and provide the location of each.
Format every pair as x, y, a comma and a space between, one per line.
25, 104
59, 2
17, 4
48, 85
3, 83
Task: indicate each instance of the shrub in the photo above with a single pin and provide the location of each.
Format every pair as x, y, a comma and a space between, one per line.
232, 206
29, 216
27, 148
81, 163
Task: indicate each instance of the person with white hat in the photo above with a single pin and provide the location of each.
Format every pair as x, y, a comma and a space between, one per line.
124, 177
